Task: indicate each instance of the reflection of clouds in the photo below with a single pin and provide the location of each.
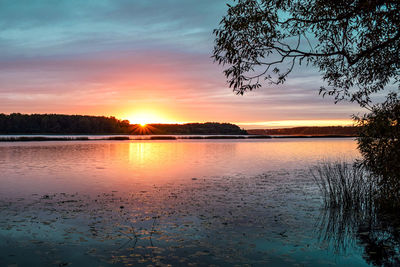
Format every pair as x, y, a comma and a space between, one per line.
116, 164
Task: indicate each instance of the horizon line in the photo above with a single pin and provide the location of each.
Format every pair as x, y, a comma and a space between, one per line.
245, 125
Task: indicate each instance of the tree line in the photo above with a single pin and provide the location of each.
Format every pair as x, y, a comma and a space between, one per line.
208, 128
17, 123
322, 130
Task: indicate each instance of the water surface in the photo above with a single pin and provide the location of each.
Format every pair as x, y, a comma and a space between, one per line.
179, 202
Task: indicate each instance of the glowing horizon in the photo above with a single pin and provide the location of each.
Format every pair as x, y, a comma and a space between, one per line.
145, 117
146, 61
150, 118
296, 123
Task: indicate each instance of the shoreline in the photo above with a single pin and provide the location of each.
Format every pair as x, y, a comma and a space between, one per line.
41, 138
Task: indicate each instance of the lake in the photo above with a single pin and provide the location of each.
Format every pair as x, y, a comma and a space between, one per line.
179, 202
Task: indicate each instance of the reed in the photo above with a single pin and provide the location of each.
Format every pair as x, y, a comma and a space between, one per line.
344, 185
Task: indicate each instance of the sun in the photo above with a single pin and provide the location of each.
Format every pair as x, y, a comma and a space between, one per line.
143, 118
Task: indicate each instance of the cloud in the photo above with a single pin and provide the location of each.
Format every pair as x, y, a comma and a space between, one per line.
108, 56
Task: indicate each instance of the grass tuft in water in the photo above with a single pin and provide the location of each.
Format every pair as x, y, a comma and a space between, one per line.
344, 185
359, 210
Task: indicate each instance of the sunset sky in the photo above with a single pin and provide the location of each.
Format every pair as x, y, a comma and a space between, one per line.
146, 61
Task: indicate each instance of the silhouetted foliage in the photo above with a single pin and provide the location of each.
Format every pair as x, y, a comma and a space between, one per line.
315, 131
196, 128
17, 123
354, 44
77, 124
379, 143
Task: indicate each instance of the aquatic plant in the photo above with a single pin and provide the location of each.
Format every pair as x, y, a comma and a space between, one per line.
356, 210
344, 185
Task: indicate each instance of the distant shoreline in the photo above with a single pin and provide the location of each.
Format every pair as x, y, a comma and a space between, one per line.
38, 138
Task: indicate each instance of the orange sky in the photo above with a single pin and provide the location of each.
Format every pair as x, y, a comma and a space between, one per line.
145, 61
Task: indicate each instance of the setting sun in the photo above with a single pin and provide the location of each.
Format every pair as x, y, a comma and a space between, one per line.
144, 117
141, 120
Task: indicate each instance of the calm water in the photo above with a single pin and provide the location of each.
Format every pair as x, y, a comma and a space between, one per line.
180, 202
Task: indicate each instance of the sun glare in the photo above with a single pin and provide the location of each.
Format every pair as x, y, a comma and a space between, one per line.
143, 118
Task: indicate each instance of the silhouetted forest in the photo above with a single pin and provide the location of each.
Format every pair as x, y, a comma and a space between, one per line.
61, 124
195, 128
315, 131
17, 123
